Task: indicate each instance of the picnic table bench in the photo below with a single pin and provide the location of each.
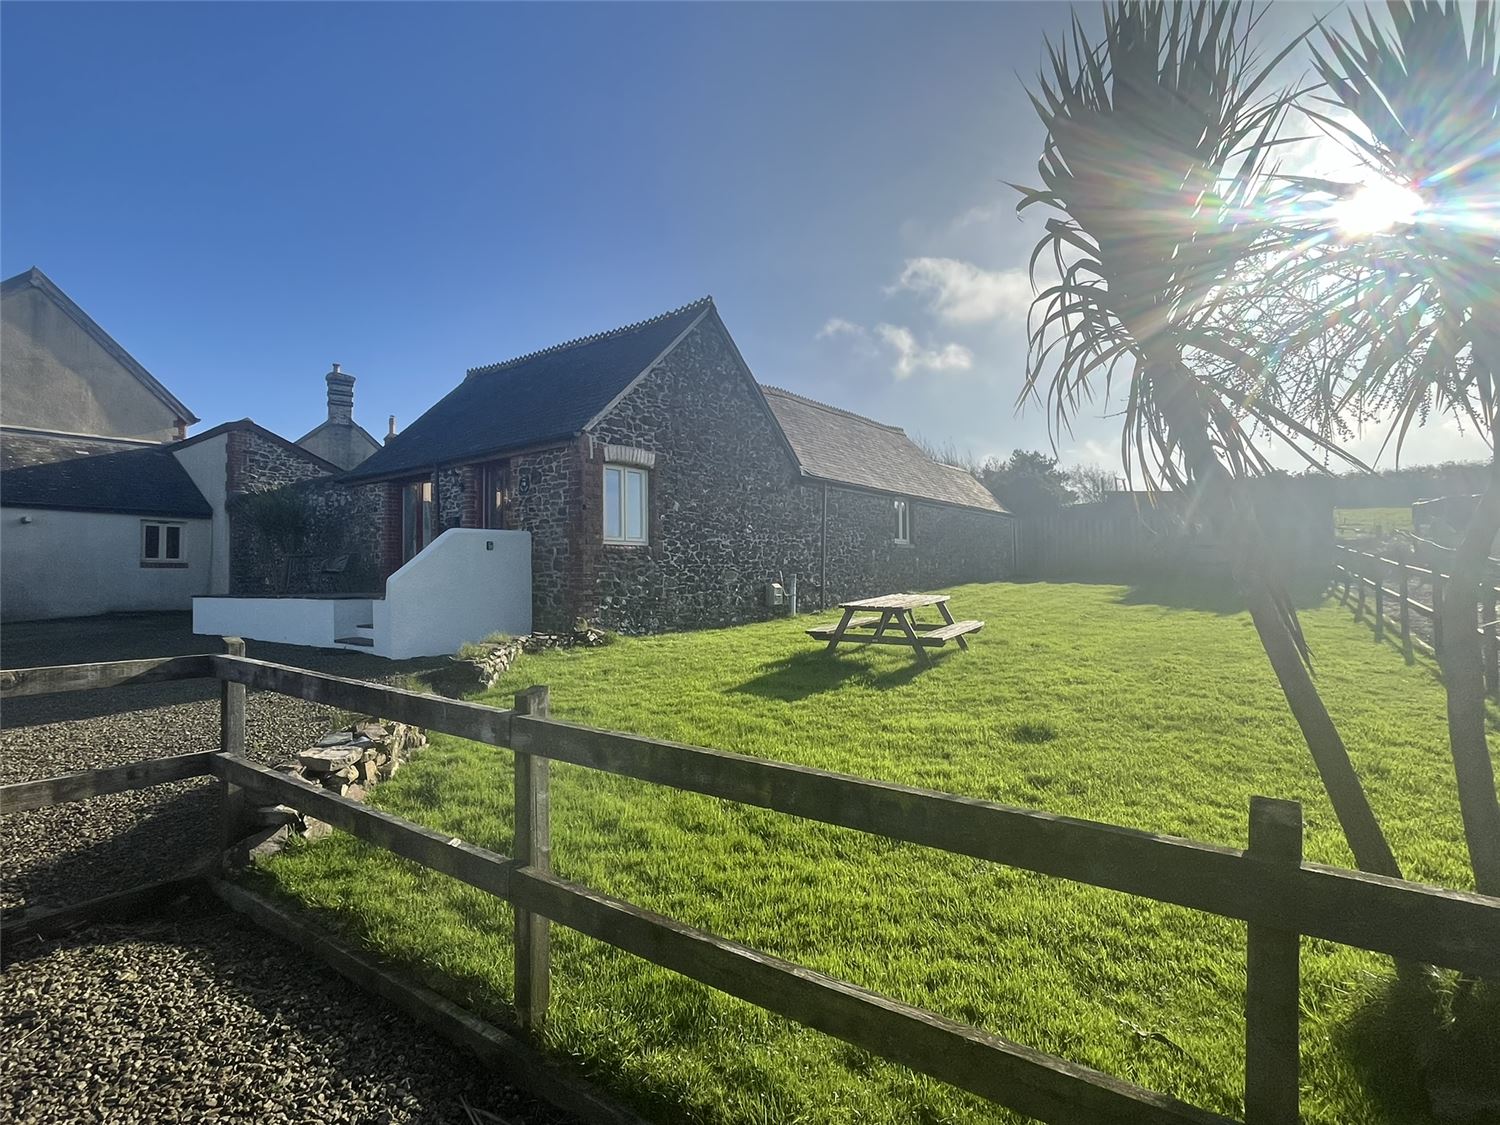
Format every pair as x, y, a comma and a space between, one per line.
891, 620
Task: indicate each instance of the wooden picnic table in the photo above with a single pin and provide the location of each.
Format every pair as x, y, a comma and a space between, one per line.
891, 620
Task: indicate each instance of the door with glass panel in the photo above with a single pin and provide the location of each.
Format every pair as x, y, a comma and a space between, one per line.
494, 484
416, 518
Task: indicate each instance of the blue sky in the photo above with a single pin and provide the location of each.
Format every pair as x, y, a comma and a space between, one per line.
242, 194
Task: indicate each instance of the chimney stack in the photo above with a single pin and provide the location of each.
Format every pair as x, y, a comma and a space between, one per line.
391, 432
340, 397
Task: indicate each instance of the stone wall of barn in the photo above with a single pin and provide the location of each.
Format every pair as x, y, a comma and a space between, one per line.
256, 464
727, 513
338, 552
272, 489
949, 546
546, 498
724, 513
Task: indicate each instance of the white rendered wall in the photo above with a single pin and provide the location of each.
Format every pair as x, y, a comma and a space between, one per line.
208, 464
466, 584
75, 564
288, 621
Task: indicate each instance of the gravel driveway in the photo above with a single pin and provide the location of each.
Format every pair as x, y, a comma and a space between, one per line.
68, 853
211, 1019
202, 1018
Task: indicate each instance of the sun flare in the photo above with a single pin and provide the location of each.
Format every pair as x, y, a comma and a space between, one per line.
1377, 207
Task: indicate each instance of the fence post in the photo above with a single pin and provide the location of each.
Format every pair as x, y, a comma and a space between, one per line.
1379, 567
1491, 643
1272, 978
233, 812
1437, 611
1405, 579
533, 849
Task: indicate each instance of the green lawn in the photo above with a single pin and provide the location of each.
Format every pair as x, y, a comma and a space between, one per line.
1084, 700
1371, 521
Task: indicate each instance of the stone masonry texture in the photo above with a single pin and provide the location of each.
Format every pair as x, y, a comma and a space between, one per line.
727, 513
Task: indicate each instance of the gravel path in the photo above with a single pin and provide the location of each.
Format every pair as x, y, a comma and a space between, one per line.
203, 1017
210, 1019
73, 852
76, 851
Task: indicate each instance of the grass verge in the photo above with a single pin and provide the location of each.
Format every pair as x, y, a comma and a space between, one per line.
1091, 701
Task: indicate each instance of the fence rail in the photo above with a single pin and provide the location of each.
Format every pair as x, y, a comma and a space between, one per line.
1269, 885
1366, 575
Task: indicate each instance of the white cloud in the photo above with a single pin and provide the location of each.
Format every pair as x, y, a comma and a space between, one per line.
963, 293
981, 215
838, 326
912, 357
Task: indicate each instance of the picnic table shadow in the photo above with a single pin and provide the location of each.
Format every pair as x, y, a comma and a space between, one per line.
815, 671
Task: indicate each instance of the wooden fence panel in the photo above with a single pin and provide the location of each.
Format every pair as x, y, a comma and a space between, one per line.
533, 944
20, 796
17, 682
1272, 979
1449, 928
1026, 1080
476, 866
490, 725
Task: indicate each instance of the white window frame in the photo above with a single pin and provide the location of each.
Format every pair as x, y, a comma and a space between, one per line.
903, 523
623, 514
162, 558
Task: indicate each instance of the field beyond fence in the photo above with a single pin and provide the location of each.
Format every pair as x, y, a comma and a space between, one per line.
1269, 885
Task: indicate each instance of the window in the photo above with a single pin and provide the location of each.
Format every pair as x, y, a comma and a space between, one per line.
161, 544
416, 518
625, 497
903, 522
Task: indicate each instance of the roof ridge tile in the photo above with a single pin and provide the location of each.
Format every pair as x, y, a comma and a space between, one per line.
831, 409
488, 368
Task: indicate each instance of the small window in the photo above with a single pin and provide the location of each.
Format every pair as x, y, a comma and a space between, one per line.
161, 543
625, 499
903, 522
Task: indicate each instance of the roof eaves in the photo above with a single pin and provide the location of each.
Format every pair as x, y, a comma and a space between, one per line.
360, 475
901, 492
36, 279
33, 431
165, 511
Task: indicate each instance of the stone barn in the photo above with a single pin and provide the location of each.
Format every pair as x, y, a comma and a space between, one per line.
664, 488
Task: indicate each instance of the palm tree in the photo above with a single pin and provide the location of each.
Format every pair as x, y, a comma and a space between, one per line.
1157, 141
1419, 305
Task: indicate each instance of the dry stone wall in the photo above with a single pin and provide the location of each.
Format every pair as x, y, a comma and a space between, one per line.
348, 762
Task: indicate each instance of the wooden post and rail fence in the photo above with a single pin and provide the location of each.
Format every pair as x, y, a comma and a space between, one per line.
1269, 886
1360, 574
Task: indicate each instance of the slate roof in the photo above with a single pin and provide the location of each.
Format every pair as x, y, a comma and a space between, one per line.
844, 448
249, 425
532, 399
69, 473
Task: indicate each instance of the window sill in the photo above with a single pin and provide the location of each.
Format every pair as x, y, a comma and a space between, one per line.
905, 544
626, 543
154, 564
